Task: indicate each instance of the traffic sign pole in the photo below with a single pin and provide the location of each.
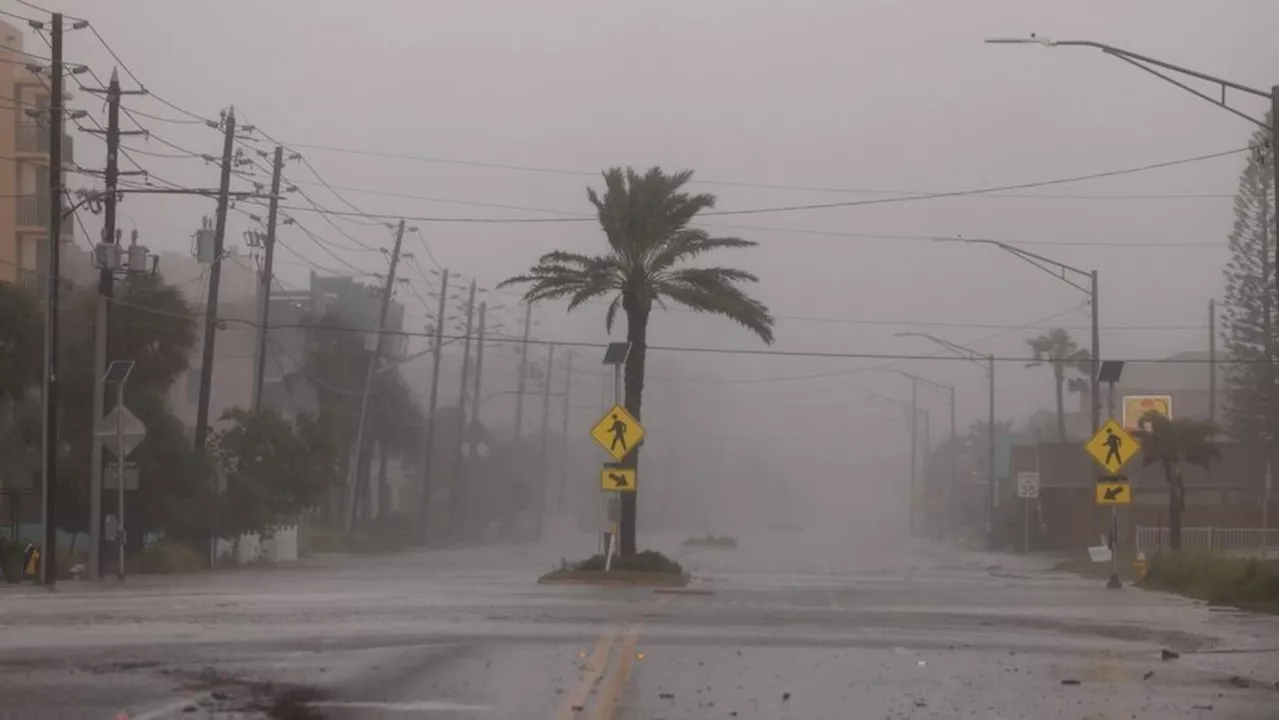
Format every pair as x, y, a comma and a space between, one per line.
120, 482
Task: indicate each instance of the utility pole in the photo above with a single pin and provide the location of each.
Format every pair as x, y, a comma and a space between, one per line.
429, 442
955, 440
211, 316
260, 365
108, 261
546, 412
455, 486
49, 554
1213, 362
475, 424
915, 449
564, 433
991, 446
524, 365
354, 471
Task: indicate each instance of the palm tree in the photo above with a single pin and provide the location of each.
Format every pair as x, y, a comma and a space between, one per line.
1172, 443
1057, 349
646, 221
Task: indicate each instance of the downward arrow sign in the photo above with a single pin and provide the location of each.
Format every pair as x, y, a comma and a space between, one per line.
618, 480
1112, 493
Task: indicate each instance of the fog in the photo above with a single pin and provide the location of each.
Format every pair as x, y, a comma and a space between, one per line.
509, 110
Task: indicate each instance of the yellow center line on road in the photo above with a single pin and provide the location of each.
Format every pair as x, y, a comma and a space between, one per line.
622, 674
591, 672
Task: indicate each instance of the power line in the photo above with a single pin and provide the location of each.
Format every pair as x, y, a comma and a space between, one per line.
769, 186
821, 206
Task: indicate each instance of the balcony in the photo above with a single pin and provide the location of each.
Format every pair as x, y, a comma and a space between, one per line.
33, 212
33, 217
30, 279
33, 139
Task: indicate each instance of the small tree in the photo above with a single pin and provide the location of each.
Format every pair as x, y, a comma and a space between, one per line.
272, 470
1172, 443
1058, 349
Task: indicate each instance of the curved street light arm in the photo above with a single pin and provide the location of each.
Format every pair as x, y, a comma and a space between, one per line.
1144, 62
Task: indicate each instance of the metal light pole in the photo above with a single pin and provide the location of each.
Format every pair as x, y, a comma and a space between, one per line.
987, 363
1158, 68
1064, 273
950, 391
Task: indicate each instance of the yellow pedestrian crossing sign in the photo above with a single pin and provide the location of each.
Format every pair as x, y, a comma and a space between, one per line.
618, 432
616, 479
1112, 447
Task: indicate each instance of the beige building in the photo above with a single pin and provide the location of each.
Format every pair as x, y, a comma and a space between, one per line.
24, 160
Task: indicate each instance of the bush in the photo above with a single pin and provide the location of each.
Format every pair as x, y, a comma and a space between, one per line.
383, 535
1218, 579
167, 557
647, 561
711, 541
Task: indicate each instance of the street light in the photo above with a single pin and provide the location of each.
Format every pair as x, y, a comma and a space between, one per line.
1064, 273
1151, 64
990, 367
950, 391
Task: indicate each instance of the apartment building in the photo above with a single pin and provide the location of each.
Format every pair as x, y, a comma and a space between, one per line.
24, 160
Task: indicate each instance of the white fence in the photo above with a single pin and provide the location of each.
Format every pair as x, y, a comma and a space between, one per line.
281, 545
1150, 540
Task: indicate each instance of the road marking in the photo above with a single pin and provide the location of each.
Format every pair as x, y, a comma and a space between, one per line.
167, 710
409, 706
622, 674
592, 671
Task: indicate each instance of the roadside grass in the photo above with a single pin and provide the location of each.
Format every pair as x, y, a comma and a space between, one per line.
1083, 566
167, 557
384, 535
1241, 582
721, 541
646, 568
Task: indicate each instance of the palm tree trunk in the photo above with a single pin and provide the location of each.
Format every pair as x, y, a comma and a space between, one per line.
1177, 502
637, 331
1057, 390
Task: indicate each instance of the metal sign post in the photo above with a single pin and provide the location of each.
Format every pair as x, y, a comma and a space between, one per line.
118, 373
615, 354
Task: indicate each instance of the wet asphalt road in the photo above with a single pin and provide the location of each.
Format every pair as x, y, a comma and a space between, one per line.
785, 626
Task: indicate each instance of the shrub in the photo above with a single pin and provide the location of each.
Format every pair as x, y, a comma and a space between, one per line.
1218, 579
167, 557
711, 541
647, 561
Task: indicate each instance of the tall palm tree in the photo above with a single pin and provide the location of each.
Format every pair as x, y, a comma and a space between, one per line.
1172, 443
1057, 349
646, 218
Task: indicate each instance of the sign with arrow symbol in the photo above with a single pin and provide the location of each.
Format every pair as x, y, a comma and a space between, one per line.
1112, 493
617, 479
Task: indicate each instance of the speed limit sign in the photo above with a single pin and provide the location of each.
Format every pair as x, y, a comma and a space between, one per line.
1028, 485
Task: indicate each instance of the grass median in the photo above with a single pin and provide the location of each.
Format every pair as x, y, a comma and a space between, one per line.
649, 568
1243, 582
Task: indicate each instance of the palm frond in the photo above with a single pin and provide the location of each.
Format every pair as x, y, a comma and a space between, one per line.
611, 314
713, 290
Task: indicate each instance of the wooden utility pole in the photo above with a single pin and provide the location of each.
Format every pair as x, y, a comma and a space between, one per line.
456, 492
108, 261
564, 433
211, 317
49, 553
269, 246
474, 435
429, 442
355, 471
524, 367
545, 470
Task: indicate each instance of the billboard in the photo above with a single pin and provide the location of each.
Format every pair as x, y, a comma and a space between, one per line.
1135, 406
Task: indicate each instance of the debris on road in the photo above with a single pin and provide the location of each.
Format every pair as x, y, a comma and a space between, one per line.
1167, 654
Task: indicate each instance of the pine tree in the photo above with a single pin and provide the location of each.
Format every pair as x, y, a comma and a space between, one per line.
1249, 307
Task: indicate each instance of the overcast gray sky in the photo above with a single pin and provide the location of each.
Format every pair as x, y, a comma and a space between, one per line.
853, 96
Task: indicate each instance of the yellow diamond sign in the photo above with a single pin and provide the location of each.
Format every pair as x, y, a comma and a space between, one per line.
618, 432
1112, 447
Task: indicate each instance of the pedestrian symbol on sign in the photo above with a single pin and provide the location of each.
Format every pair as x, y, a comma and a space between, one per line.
619, 430
1113, 443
